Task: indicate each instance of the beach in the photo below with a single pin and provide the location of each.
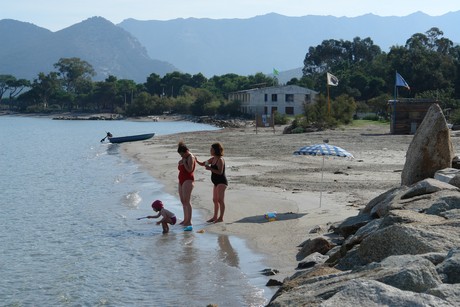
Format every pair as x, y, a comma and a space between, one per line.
264, 176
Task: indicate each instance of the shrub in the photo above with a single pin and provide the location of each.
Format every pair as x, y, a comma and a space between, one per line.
373, 117
280, 119
35, 109
298, 130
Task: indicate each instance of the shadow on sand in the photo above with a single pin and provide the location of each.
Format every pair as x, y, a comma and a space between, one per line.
279, 217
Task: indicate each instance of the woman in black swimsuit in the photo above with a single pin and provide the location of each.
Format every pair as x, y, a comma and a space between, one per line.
216, 165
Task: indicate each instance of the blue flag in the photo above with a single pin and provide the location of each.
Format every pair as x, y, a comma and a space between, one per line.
401, 82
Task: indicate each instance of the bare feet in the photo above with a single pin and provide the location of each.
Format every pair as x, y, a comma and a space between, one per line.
211, 220
218, 221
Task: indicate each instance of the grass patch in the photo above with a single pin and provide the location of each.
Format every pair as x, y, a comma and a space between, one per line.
364, 122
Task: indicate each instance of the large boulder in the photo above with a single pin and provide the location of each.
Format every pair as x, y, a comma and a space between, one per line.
430, 150
449, 269
407, 272
363, 292
400, 239
448, 292
320, 245
396, 281
427, 186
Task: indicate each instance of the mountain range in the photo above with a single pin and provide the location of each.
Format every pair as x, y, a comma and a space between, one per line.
259, 44
27, 50
134, 49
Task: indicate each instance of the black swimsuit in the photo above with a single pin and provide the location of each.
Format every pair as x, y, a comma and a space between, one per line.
216, 178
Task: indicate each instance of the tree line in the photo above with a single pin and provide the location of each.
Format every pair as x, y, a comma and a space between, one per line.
70, 88
429, 62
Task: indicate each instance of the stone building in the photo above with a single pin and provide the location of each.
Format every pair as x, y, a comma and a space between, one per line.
287, 99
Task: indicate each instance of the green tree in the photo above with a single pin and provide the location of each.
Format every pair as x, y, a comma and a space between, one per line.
351, 61
232, 108
105, 94
141, 106
5, 81
198, 80
125, 91
154, 85
45, 89
428, 62
173, 83
13, 86
201, 105
343, 108
75, 73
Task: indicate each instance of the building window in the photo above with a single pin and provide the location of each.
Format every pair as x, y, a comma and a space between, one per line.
289, 97
266, 97
274, 97
274, 109
308, 98
289, 110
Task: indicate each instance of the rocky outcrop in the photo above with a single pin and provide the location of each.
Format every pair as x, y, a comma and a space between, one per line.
402, 249
430, 150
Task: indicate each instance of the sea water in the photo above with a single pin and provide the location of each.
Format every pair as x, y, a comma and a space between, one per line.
70, 235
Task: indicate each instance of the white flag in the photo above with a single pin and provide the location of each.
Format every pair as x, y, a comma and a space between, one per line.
332, 80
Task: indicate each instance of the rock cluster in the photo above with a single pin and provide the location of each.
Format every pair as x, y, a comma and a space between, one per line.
402, 249
220, 122
90, 117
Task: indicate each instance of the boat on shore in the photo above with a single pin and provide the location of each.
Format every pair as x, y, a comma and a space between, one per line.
129, 138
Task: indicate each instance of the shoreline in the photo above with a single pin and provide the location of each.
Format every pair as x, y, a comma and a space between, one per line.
264, 176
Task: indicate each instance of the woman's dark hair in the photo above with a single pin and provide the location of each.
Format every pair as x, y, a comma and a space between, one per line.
218, 149
182, 147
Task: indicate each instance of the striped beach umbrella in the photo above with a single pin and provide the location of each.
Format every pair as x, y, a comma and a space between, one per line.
323, 150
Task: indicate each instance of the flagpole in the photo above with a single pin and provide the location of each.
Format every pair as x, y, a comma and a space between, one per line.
394, 106
328, 101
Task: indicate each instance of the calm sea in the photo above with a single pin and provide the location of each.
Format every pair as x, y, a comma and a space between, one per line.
70, 236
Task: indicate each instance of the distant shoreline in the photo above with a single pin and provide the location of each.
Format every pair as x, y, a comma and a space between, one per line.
94, 116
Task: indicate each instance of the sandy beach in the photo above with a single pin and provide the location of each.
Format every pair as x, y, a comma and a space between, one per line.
264, 176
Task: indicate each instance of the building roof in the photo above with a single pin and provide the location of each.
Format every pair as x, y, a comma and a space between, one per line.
282, 88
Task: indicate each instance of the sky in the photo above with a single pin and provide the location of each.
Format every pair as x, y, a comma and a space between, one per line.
59, 14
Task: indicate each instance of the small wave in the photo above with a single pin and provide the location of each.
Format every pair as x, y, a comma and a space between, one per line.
131, 233
132, 199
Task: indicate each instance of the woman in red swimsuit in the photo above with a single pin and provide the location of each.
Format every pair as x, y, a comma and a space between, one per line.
186, 167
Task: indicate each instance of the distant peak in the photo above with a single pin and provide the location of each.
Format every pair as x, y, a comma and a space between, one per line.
97, 19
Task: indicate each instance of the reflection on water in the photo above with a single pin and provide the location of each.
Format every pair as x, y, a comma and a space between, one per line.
226, 252
113, 149
203, 268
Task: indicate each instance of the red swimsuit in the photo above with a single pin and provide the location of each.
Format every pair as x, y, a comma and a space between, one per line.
184, 175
